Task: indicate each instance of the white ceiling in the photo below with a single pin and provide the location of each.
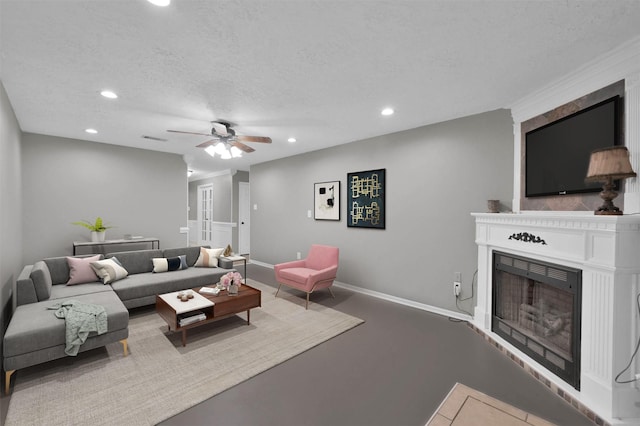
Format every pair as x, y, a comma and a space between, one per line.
320, 71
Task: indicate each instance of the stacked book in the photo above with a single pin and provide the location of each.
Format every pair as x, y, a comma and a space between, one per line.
191, 317
209, 290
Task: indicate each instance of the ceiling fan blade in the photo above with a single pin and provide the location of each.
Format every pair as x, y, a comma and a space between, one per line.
188, 133
207, 143
261, 139
242, 146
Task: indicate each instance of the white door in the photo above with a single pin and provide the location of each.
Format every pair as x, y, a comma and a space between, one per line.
244, 218
205, 211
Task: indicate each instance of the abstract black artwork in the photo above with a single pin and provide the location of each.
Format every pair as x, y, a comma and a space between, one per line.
365, 199
326, 200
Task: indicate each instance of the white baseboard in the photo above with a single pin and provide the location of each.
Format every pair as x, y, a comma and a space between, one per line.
257, 262
390, 298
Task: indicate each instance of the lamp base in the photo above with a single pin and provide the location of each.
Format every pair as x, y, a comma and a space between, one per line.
603, 211
608, 194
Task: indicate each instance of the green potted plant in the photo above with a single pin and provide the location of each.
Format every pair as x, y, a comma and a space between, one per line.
97, 228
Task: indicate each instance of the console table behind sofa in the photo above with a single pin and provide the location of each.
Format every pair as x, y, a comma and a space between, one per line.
112, 246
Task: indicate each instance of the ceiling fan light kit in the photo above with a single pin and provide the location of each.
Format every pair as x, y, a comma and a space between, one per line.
226, 143
225, 152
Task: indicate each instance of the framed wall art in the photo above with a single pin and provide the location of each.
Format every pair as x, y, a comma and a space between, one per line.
326, 200
366, 199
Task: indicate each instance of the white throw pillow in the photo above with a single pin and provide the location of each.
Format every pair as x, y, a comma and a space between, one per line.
208, 258
109, 270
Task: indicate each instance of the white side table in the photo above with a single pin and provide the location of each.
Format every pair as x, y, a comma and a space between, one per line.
237, 258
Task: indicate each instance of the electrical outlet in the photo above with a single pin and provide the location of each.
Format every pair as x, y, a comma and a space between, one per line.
456, 289
457, 283
298, 256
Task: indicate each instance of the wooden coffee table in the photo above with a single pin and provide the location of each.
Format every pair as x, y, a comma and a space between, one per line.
215, 308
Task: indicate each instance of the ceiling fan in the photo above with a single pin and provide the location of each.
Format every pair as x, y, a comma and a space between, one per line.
225, 142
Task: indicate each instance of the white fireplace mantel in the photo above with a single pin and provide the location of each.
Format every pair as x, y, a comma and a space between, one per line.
607, 250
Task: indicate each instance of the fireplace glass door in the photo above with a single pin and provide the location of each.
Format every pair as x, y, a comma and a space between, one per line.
536, 308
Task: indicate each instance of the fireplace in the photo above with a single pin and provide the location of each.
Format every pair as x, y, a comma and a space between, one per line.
604, 252
536, 308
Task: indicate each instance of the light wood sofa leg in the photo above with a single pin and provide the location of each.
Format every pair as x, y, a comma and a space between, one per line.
331, 292
306, 306
7, 381
279, 284
125, 347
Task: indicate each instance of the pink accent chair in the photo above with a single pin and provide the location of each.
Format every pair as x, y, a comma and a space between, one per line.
315, 272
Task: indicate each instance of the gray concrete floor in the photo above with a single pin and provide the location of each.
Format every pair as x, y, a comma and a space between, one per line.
394, 369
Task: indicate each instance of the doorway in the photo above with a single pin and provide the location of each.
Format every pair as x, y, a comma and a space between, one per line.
205, 214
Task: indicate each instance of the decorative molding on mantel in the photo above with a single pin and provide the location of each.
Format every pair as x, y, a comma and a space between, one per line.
527, 238
564, 220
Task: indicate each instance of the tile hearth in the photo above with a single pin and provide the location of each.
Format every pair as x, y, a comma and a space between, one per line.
590, 414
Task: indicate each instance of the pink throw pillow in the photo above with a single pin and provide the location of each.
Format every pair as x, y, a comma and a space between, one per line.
80, 270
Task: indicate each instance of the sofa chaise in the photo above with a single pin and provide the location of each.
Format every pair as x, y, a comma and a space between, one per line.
35, 335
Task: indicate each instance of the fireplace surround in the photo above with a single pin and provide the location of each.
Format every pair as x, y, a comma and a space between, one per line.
607, 252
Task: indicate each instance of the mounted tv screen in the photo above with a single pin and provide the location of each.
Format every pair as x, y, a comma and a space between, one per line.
557, 155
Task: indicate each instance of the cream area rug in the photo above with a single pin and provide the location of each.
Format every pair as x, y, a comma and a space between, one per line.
465, 406
160, 378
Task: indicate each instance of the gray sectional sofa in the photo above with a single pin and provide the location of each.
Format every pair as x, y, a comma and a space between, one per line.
35, 335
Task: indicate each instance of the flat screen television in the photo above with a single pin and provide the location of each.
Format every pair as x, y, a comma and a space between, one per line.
557, 154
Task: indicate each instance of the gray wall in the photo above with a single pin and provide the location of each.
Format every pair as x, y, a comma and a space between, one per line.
10, 208
435, 177
140, 192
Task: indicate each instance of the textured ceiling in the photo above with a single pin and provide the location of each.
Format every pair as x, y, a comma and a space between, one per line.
320, 71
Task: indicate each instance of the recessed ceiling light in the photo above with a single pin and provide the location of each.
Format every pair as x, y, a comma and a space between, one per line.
291, 139
160, 2
109, 94
387, 111
92, 131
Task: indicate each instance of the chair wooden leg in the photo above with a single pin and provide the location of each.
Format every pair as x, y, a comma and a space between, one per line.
306, 306
331, 292
279, 284
125, 347
7, 381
